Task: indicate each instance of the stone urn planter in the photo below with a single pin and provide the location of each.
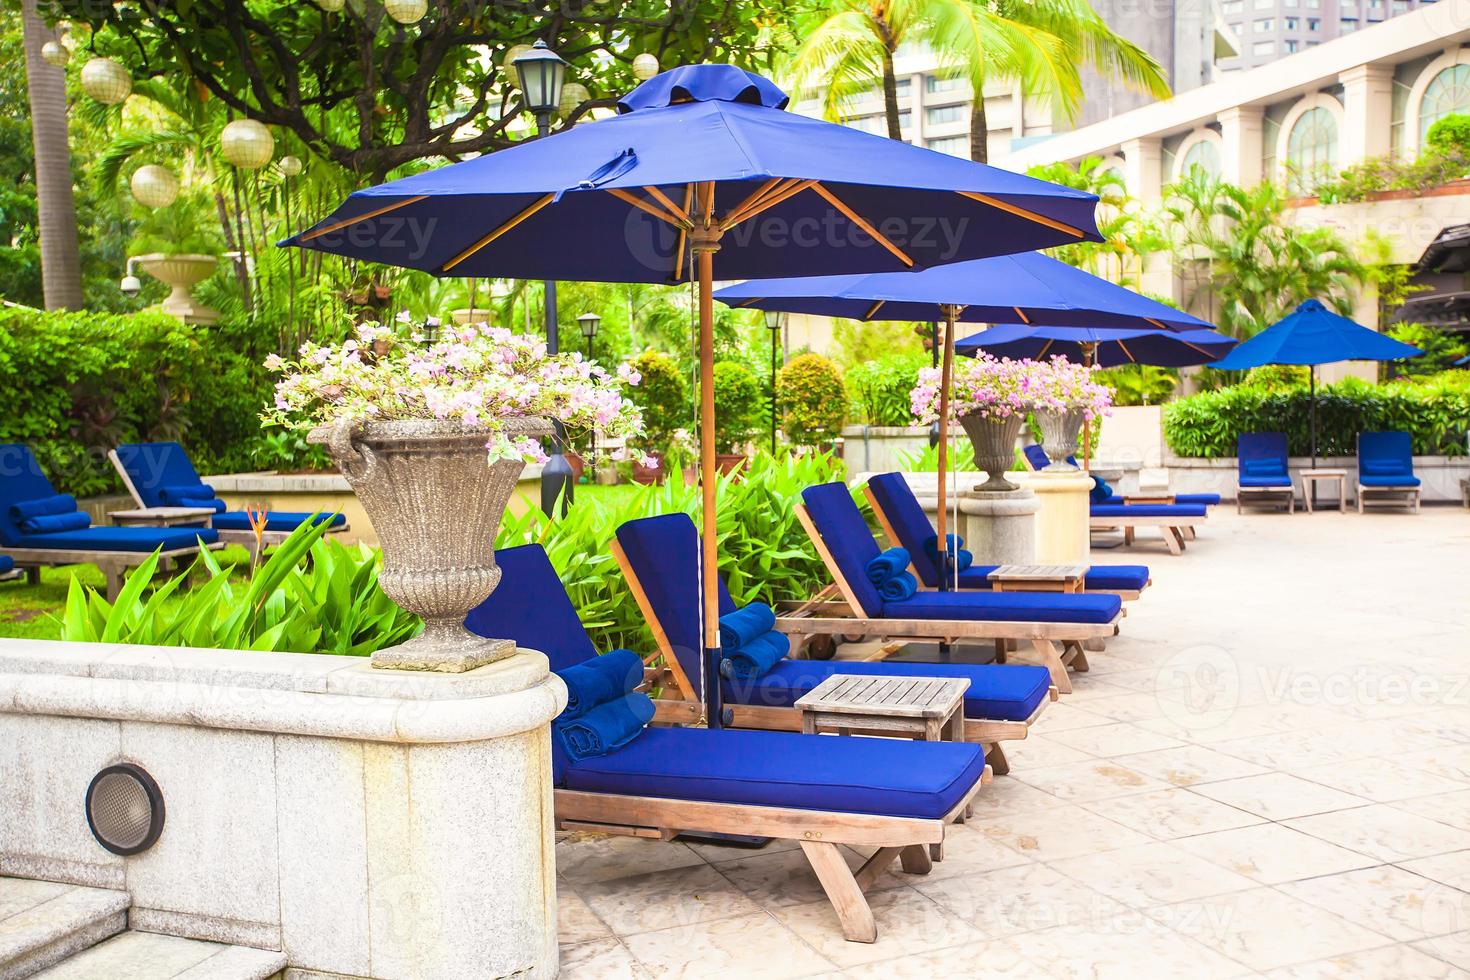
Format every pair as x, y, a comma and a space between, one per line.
1059, 433
994, 441
181, 273
436, 504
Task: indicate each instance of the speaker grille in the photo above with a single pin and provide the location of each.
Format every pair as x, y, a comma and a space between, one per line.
125, 809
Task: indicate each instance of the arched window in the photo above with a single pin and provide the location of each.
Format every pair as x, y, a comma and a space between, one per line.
1205, 155
1447, 94
1311, 149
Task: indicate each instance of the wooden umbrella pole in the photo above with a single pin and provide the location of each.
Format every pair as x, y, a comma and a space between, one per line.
1089, 351
947, 362
705, 241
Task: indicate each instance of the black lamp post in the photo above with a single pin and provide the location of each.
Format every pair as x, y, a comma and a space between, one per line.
775, 320
431, 330
541, 74
588, 324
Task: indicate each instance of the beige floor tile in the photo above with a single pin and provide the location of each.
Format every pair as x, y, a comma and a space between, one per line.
969, 850
679, 896
1130, 947
1265, 929
1451, 762
1116, 738
1132, 707
747, 946
1061, 832
1386, 962
1449, 869
1189, 765
716, 853
1390, 900
1152, 874
1447, 808
1279, 796
786, 877
1172, 813
909, 924
1272, 853
1453, 948
591, 857
1095, 779
1005, 903
1383, 832
1381, 780
980, 961
1064, 716
1036, 751
575, 920
1011, 796
602, 959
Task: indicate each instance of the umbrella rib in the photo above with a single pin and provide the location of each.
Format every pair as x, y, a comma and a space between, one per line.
644, 206
1194, 347
755, 197
1024, 318
707, 195
770, 201
1156, 323
683, 235
862, 223
1124, 348
1040, 219
663, 199
535, 206
1045, 347
874, 309
338, 226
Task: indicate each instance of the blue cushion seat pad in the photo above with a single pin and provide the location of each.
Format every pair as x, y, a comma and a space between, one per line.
1019, 607
5, 564
276, 520
1281, 480
997, 692
1393, 480
1099, 578
138, 539
1148, 510
883, 776
1202, 499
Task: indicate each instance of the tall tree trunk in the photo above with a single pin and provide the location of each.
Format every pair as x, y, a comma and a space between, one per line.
61, 263
979, 129
890, 96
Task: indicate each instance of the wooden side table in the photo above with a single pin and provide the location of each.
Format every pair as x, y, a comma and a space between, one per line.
927, 708
1310, 479
162, 516
1037, 578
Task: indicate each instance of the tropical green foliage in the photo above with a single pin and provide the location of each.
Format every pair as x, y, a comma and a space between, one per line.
879, 390
739, 401
1436, 413
1139, 384
663, 396
764, 552
812, 400
1441, 348
310, 595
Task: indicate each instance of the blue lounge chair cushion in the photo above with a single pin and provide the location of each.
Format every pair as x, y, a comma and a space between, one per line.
997, 692
846, 535
954, 548
531, 607
1101, 493
139, 539
1281, 480
1148, 510
1202, 499
889, 777
276, 520
755, 657
748, 623
196, 493
1392, 480
1036, 456
5, 564
61, 503
52, 523
1099, 578
598, 680
909, 522
1386, 459
605, 728
890, 562
1024, 607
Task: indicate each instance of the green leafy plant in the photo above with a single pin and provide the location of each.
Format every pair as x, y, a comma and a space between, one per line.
812, 400
879, 389
663, 396
1139, 384
331, 604
1450, 134
739, 398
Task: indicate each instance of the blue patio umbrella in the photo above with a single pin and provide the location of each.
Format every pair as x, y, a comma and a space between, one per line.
702, 172
1463, 362
1310, 336
1105, 348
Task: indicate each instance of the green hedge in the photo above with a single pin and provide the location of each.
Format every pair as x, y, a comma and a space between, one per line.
880, 389
77, 384
1436, 412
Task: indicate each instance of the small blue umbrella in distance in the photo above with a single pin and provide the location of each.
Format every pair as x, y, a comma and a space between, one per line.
1105, 348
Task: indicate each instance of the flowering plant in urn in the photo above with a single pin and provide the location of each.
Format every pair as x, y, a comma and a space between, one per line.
1070, 396
990, 397
433, 435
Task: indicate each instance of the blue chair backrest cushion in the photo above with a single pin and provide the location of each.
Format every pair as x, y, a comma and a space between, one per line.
840, 523
531, 607
1385, 454
910, 523
152, 466
1262, 453
1036, 456
21, 479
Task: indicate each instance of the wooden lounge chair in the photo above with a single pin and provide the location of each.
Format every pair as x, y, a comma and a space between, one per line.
1036, 459
905, 524
659, 559
823, 792
151, 469
1386, 471
111, 549
1264, 478
1055, 625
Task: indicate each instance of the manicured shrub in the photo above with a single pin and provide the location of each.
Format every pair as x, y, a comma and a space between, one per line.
812, 400
739, 399
1450, 135
662, 394
879, 389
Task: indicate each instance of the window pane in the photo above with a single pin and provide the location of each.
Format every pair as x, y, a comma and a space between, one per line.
946, 114
1311, 149
1448, 93
958, 146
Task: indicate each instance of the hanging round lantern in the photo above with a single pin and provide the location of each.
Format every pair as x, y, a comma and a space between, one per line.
291, 166
154, 186
572, 95
247, 144
332, 6
406, 11
645, 66
55, 53
106, 81
512, 77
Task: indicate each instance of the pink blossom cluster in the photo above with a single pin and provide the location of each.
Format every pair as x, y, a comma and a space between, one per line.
1071, 387
999, 387
478, 374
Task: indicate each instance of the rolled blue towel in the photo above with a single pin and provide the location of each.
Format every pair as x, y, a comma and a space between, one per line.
745, 624
211, 503
901, 586
1100, 490
888, 564
757, 657
962, 559
175, 496
600, 680
51, 523
61, 503
931, 545
605, 728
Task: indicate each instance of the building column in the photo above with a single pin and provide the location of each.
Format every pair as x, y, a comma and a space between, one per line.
1240, 145
1143, 166
1367, 112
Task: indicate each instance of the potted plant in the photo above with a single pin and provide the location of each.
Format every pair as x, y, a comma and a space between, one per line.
1067, 395
175, 248
990, 398
739, 398
663, 397
432, 437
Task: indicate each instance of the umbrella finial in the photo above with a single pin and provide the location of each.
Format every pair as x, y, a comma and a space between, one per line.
704, 83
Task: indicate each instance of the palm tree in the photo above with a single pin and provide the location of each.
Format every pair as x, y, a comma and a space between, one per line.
61, 264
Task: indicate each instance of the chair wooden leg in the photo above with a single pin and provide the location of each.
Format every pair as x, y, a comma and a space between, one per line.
1079, 658
1097, 644
875, 866
33, 575
1173, 540
114, 577
847, 899
1051, 659
917, 859
995, 757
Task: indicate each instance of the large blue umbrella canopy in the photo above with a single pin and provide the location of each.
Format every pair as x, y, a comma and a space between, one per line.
1314, 335
1105, 348
1033, 288
701, 170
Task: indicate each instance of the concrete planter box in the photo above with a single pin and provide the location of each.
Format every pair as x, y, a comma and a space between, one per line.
1440, 475
876, 448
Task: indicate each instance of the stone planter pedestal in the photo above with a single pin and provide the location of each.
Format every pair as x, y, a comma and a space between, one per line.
1062, 534
181, 273
999, 528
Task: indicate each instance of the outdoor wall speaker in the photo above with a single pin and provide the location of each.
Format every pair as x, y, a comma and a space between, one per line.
125, 809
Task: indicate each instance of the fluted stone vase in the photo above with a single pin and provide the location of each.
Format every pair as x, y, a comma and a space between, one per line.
1059, 433
436, 504
994, 441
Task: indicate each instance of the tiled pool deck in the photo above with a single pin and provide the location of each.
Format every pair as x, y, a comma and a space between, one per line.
1267, 774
